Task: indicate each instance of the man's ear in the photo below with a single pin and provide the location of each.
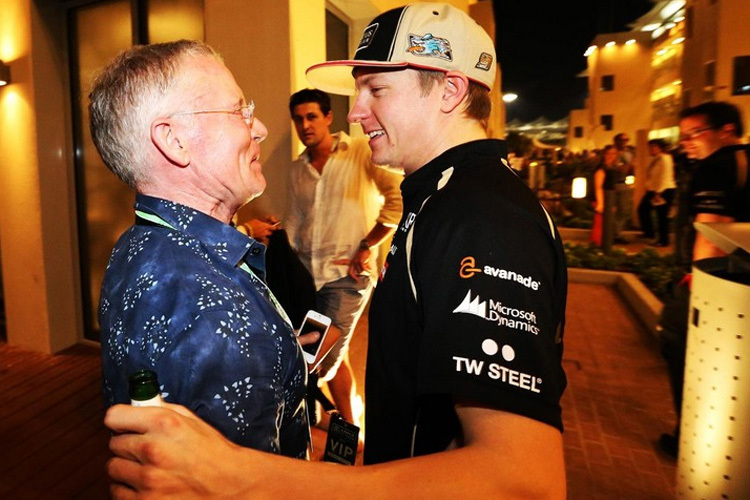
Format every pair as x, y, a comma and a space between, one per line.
729, 130
455, 89
166, 139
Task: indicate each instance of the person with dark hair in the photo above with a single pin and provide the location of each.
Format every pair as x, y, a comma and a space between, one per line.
603, 180
336, 222
305, 96
710, 133
660, 189
464, 364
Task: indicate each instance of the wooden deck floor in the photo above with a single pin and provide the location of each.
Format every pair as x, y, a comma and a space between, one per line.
53, 444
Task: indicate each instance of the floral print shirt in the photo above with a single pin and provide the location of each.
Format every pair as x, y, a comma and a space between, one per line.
184, 296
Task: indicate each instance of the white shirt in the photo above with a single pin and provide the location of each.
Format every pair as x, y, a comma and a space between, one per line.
660, 173
329, 213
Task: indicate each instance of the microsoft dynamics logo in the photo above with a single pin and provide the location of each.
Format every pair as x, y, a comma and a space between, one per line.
498, 313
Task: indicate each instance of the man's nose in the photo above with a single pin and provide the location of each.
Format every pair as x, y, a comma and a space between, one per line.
358, 112
259, 132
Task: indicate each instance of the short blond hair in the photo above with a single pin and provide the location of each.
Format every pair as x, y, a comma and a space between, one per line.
124, 97
478, 103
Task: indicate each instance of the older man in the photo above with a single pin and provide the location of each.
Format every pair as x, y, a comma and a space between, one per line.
183, 294
464, 373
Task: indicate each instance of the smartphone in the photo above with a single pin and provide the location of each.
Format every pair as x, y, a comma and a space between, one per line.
314, 322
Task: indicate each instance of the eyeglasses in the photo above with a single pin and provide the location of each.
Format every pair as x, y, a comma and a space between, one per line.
246, 112
694, 134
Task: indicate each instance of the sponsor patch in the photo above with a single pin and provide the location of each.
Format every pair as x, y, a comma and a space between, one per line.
468, 269
498, 372
485, 61
367, 36
430, 46
408, 222
497, 312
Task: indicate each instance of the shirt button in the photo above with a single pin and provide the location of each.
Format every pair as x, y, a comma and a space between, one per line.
255, 251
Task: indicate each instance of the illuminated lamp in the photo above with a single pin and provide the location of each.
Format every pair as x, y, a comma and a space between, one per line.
630, 180
678, 40
4, 74
509, 97
578, 189
630, 42
609, 44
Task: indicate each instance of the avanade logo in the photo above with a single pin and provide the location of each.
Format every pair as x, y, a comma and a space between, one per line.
469, 269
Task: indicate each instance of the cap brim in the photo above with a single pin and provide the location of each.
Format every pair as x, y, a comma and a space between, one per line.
336, 77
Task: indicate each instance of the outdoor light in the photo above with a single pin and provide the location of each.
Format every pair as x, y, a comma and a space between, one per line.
510, 97
4, 74
630, 180
609, 44
578, 190
589, 51
678, 40
630, 42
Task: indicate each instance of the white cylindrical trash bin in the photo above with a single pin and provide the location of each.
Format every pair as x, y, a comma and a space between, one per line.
714, 452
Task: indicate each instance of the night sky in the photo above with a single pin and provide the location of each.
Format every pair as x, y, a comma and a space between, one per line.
540, 46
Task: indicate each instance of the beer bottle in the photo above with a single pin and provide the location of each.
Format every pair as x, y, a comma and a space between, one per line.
144, 389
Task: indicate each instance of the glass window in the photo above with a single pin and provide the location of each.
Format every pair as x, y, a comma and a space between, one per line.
607, 121
175, 19
741, 79
101, 31
337, 48
608, 83
105, 204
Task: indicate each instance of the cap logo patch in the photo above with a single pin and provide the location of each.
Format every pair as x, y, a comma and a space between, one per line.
430, 46
367, 36
485, 61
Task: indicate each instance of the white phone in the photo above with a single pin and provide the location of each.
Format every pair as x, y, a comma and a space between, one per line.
314, 322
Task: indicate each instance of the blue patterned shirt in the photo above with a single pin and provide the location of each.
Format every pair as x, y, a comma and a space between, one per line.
179, 298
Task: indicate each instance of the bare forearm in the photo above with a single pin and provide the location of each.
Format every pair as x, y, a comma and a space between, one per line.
464, 472
378, 234
703, 248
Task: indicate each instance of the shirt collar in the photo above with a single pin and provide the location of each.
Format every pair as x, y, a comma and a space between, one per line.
341, 141
456, 157
222, 240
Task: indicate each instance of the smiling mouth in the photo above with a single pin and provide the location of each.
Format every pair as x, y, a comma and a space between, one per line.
375, 133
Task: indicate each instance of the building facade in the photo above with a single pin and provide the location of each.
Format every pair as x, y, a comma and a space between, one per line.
679, 54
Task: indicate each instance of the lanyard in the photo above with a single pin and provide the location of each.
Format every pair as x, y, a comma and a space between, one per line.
153, 219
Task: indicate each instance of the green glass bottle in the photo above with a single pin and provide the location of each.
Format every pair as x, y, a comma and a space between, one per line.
144, 389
